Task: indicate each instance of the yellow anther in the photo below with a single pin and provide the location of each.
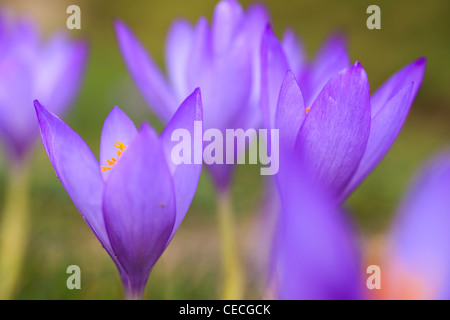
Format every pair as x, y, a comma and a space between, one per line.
307, 110
122, 147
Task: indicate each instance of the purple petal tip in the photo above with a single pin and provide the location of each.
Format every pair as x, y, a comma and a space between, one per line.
118, 23
258, 6
421, 62
357, 64
120, 27
339, 37
37, 106
268, 30
197, 91
147, 130
359, 69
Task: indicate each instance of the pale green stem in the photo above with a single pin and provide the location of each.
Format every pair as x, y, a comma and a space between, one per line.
134, 295
13, 231
233, 273
133, 290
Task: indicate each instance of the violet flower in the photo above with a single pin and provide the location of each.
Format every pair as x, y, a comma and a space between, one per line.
345, 132
30, 68
222, 59
134, 199
417, 259
349, 132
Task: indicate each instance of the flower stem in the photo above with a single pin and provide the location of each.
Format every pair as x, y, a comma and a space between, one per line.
134, 287
13, 231
134, 295
233, 277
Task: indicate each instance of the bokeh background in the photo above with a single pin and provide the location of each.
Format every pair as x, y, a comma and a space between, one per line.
190, 267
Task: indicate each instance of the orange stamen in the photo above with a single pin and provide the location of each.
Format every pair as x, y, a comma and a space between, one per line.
122, 147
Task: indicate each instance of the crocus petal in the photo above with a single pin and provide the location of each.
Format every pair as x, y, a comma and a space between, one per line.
19, 56
419, 255
385, 127
178, 50
185, 176
225, 102
257, 18
227, 105
201, 52
77, 169
50, 72
331, 58
390, 106
316, 252
290, 112
139, 208
221, 175
228, 15
116, 128
274, 68
145, 73
334, 135
58, 76
26, 34
15, 129
250, 35
294, 50
411, 73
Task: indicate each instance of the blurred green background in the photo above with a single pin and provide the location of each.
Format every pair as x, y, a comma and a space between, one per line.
190, 267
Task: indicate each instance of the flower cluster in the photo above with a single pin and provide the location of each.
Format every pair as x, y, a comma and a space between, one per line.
233, 73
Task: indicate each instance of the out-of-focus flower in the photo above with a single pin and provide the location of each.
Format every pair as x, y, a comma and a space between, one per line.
417, 261
345, 132
136, 197
315, 256
50, 71
222, 59
315, 252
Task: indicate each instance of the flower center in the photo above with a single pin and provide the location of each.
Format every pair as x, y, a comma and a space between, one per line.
307, 110
122, 147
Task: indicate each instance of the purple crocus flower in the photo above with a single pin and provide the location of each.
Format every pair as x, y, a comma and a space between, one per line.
134, 199
29, 69
345, 132
222, 59
418, 246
